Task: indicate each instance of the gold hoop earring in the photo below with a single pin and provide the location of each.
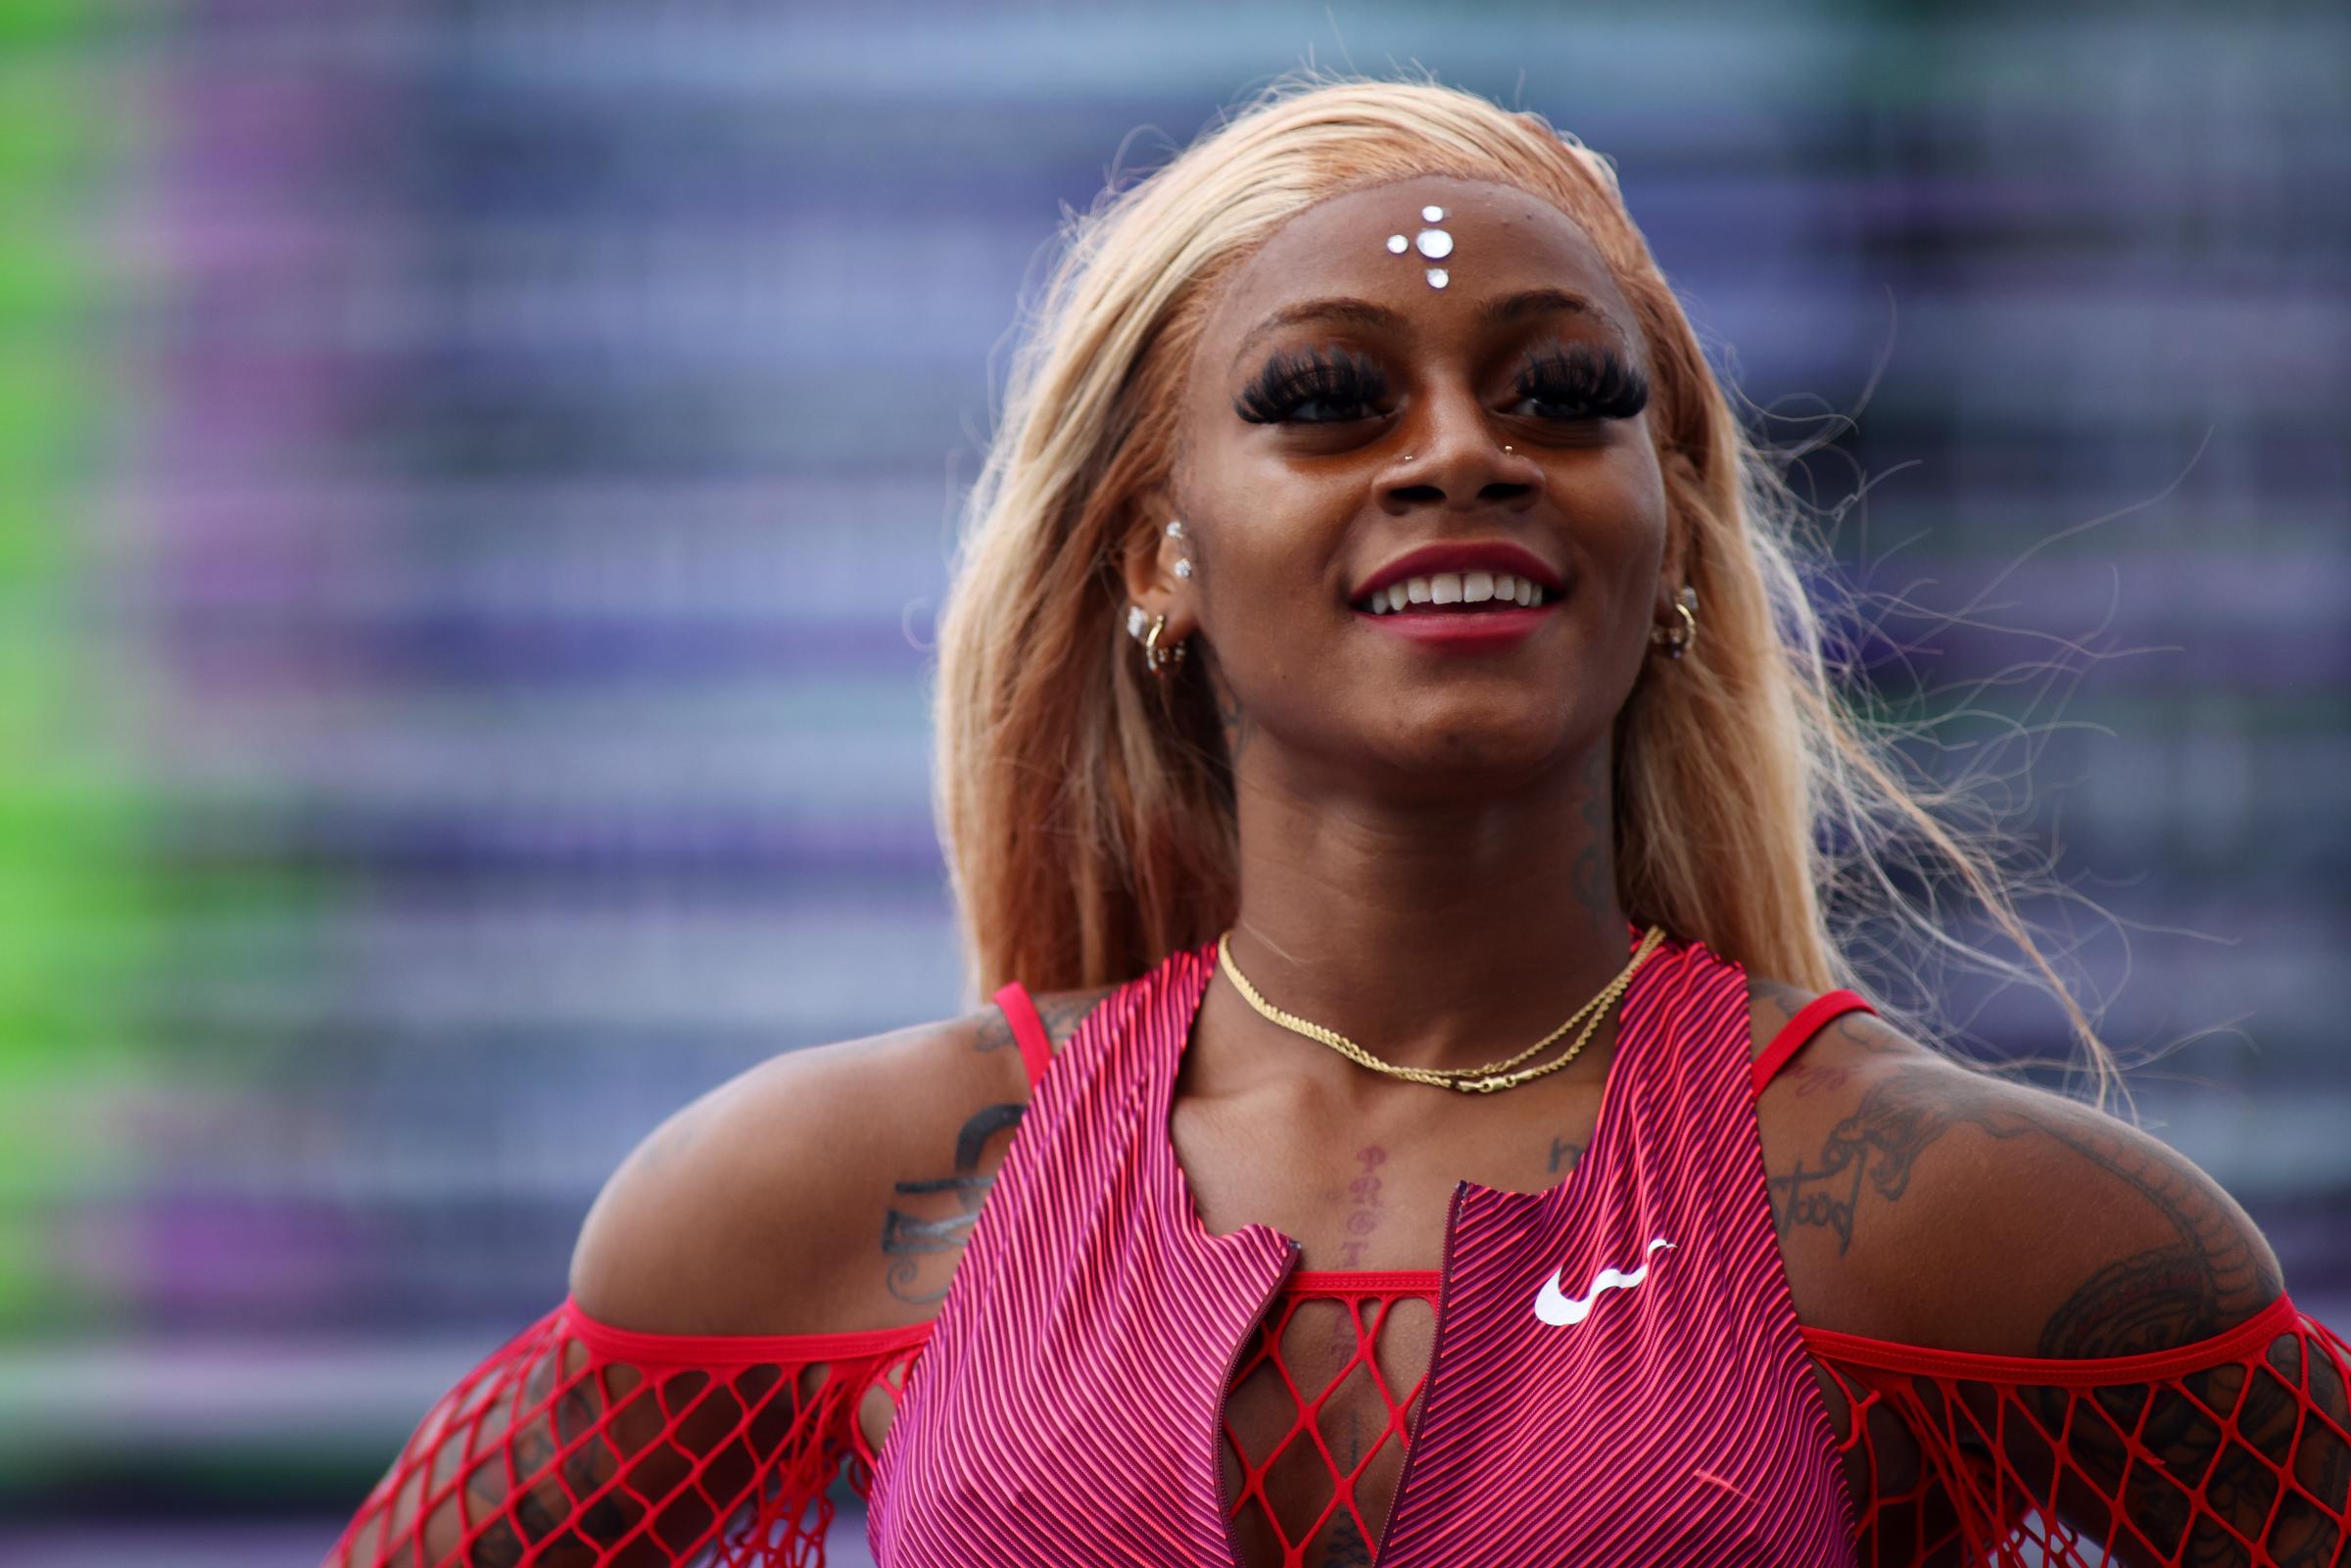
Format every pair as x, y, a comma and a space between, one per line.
1158, 660
1676, 642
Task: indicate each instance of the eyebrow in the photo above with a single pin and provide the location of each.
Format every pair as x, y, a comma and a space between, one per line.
1363, 312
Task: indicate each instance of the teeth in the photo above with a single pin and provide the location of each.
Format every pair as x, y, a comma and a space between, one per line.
1455, 588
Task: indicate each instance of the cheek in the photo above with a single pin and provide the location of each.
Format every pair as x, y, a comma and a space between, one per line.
1621, 509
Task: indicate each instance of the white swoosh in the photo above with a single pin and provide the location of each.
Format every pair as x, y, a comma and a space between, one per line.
1564, 1311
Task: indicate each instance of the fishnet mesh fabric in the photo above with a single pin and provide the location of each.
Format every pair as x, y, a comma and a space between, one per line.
549, 1453
2241, 1460
1274, 1491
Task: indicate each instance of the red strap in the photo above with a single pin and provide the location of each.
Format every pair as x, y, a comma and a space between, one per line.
1802, 1027
1036, 1049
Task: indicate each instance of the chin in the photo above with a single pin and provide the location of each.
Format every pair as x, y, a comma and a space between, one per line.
1454, 752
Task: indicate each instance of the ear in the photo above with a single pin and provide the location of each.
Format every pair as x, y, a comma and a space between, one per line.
1673, 571
1147, 562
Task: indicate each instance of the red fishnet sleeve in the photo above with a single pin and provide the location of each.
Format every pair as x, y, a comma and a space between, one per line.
578, 1443
2234, 1451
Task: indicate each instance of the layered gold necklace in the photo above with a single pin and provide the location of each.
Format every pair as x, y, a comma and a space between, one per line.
1494, 1076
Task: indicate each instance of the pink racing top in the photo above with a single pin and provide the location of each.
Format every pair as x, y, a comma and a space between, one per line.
1616, 1375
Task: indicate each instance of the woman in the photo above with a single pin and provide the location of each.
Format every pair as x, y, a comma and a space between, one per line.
1369, 567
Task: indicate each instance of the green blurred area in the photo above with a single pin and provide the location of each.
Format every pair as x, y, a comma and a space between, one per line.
79, 924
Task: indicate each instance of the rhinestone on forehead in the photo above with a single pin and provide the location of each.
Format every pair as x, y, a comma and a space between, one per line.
1433, 243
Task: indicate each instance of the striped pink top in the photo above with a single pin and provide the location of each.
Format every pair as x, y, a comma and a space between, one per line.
1618, 1373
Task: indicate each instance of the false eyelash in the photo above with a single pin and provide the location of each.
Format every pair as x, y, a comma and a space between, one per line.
1593, 379
1290, 380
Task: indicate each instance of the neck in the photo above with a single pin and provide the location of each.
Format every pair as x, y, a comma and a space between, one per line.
1433, 935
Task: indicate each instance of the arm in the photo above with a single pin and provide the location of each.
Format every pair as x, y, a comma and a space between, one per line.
2036, 1324
2236, 1449
574, 1445
730, 1322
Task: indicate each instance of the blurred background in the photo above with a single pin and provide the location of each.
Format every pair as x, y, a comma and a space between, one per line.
478, 480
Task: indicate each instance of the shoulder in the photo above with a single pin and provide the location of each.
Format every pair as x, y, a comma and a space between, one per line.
1061, 1012
828, 1189
1920, 1200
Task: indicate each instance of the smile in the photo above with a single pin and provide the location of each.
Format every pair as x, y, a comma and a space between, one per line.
1440, 592
1488, 626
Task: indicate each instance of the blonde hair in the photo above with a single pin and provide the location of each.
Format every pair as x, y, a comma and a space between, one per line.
1088, 819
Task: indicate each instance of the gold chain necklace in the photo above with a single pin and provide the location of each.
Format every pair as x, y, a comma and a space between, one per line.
1487, 1079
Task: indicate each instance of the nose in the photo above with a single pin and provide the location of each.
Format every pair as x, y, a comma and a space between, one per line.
1454, 459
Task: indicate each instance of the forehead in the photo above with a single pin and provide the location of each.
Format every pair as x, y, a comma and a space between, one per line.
1497, 241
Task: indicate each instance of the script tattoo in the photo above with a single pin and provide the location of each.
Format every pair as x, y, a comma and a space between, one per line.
907, 1238
1564, 1153
1343, 1545
1364, 1206
1876, 1147
2211, 1274
2160, 1299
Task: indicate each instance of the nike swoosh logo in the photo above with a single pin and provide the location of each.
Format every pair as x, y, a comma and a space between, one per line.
1562, 1310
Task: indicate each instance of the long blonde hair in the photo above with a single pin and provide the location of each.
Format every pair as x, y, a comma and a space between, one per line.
1088, 818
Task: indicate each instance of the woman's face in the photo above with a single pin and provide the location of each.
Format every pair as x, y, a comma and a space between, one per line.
1343, 413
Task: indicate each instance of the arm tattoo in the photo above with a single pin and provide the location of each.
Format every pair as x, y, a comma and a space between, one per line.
1879, 1144
1061, 1013
993, 1032
907, 1238
2210, 1275
551, 1485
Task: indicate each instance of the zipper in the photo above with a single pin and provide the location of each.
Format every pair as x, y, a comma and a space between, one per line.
1429, 1384
1215, 1449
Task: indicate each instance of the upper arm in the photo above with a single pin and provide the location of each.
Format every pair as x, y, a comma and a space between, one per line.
1925, 1203
1920, 1200
827, 1190
768, 1206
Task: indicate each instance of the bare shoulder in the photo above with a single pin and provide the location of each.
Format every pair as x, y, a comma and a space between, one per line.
829, 1189
1920, 1200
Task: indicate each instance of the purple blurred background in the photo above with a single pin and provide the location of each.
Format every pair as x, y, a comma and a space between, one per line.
481, 475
